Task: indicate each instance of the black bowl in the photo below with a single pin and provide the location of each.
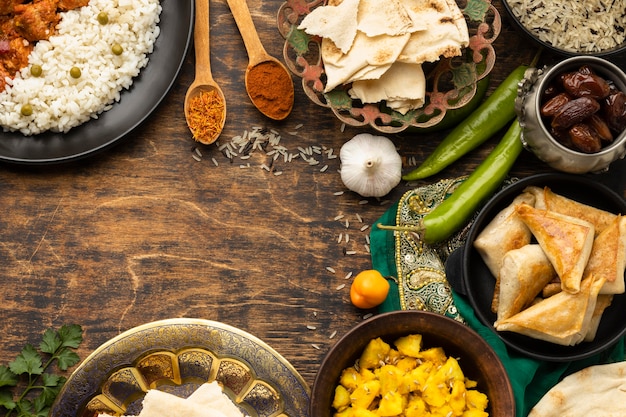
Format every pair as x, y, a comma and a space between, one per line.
470, 276
616, 55
476, 358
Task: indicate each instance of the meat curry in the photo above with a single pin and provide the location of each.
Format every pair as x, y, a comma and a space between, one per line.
22, 24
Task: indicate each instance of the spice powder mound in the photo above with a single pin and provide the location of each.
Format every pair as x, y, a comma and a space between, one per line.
271, 89
206, 116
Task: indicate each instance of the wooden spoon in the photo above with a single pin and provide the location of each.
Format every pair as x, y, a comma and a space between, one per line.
258, 56
204, 81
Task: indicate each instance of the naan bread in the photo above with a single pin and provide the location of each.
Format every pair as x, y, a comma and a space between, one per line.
524, 273
207, 400
596, 391
567, 242
362, 47
608, 256
337, 23
563, 319
387, 17
402, 86
366, 52
446, 34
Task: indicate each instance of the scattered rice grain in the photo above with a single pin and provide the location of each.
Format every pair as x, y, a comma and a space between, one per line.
311, 327
363, 202
340, 287
333, 334
351, 252
367, 316
330, 269
315, 346
324, 168
338, 193
364, 228
348, 275
214, 162
196, 157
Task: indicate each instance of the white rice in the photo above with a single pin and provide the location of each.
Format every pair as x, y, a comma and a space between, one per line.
587, 26
60, 102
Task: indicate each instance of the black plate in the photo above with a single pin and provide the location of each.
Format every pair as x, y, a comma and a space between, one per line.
136, 104
474, 279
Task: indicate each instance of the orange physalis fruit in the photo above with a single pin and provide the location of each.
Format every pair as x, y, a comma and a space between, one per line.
369, 289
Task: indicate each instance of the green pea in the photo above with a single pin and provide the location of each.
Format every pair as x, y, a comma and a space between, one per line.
36, 70
103, 18
26, 110
75, 72
117, 49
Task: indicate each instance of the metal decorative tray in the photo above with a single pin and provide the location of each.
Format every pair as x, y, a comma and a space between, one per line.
451, 83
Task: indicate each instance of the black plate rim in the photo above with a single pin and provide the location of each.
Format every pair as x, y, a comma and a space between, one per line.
153, 83
522, 344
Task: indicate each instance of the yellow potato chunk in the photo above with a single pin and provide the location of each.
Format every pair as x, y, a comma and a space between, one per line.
391, 404
342, 398
365, 394
410, 345
405, 380
476, 400
375, 352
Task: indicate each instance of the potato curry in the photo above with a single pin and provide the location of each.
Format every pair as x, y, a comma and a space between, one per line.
22, 24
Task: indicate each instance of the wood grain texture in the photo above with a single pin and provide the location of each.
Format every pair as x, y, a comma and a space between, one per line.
145, 232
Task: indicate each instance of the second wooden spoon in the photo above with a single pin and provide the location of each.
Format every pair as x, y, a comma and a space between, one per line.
274, 97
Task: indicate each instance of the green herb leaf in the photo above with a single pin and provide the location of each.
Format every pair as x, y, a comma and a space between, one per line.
6, 400
29, 372
7, 378
71, 335
27, 362
51, 342
66, 359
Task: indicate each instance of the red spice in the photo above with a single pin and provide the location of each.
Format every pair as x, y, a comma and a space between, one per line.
206, 116
271, 89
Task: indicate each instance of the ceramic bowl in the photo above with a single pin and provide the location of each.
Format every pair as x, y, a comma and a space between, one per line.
476, 358
536, 135
616, 54
469, 275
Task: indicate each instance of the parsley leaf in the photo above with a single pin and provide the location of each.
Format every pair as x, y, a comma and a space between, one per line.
28, 387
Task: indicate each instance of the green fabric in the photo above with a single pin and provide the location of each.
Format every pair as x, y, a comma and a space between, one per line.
530, 378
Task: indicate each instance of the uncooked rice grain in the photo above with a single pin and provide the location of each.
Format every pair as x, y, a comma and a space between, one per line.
61, 102
588, 26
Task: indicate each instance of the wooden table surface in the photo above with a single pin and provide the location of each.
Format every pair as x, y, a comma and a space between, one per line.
144, 231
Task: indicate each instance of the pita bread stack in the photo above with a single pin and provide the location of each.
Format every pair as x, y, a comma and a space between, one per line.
207, 401
595, 391
563, 248
378, 47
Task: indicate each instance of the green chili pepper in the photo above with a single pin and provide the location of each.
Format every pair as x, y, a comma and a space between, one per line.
455, 116
491, 116
454, 211
449, 216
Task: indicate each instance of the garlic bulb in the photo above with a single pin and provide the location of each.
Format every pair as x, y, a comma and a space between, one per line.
370, 165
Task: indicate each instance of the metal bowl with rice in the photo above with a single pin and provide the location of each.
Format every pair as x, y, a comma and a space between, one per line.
570, 28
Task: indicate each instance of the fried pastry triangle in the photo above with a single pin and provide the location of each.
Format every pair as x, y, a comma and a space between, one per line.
564, 318
566, 240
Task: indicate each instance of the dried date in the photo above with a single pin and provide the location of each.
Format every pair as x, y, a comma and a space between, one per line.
573, 112
585, 84
614, 109
583, 110
585, 138
552, 106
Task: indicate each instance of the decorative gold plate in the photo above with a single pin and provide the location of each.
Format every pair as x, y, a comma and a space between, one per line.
451, 83
177, 356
